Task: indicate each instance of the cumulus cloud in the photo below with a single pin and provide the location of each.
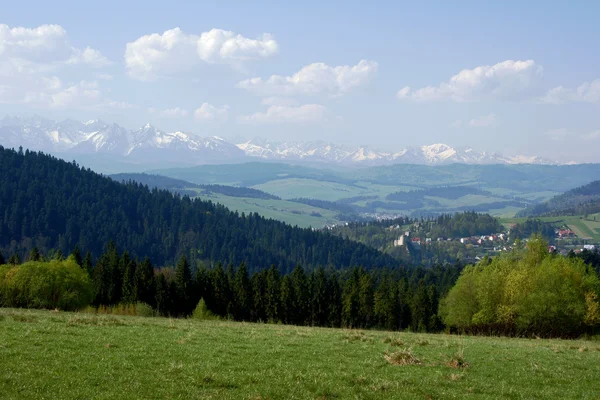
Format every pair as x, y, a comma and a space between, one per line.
208, 112
483, 121
174, 51
317, 78
52, 93
28, 50
508, 80
305, 114
169, 112
587, 92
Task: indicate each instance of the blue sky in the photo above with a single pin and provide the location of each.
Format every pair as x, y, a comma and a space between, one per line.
376, 73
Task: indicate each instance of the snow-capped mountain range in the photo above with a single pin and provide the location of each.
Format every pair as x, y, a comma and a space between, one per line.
149, 143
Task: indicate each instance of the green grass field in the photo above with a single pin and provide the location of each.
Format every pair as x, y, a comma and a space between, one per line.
56, 355
299, 214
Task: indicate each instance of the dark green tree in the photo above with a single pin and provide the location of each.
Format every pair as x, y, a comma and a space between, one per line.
14, 259
242, 291
77, 256
273, 294
87, 263
144, 283
184, 287
34, 255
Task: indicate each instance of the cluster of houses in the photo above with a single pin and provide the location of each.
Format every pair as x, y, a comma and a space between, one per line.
483, 240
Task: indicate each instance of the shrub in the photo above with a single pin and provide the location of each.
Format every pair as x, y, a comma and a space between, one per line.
525, 293
144, 310
52, 284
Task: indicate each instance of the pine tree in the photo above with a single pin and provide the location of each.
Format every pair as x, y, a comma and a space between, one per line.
301, 297
319, 298
335, 301
287, 312
162, 295
144, 284
87, 263
34, 255
220, 292
77, 256
272, 294
183, 286
129, 267
350, 300
259, 286
242, 291
58, 256
14, 259
365, 299
2, 261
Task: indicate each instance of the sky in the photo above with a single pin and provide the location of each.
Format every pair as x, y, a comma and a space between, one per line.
511, 77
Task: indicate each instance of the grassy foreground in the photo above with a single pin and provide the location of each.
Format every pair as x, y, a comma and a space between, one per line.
56, 355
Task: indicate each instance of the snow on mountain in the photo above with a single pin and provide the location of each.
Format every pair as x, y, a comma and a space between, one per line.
97, 136
149, 143
435, 154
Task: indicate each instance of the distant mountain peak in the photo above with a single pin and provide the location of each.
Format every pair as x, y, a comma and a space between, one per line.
148, 142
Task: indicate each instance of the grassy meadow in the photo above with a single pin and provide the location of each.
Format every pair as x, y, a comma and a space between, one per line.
59, 355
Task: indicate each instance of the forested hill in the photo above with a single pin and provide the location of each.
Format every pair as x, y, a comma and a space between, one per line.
581, 200
50, 203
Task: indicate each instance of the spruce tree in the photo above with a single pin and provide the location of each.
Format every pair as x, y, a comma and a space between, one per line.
129, 266
87, 264
183, 287
301, 296
162, 295
34, 255
2, 261
14, 259
319, 298
350, 300
58, 256
144, 283
242, 291
287, 312
272, 294
77, 256
220, 292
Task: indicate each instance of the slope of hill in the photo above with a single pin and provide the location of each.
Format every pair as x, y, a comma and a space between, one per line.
50, 203
581, 200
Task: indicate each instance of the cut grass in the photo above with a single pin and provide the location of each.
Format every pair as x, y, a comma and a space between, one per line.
48, 355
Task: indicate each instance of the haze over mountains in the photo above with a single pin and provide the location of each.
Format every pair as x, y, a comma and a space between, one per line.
149, 143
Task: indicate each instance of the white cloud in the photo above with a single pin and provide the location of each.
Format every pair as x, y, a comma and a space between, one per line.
317, 78
593, 135
508, 80
52, 93
208, 112
173, 52
588, 92
559, 134
483, 121
25, 50
305, 114
169, 112
278, 101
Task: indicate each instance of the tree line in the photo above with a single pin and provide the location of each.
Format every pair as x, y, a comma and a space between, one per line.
358, 298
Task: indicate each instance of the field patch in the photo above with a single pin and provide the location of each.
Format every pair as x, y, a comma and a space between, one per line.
75, 355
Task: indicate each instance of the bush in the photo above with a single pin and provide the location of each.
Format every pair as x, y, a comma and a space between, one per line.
525, 293
144, 310
53, 284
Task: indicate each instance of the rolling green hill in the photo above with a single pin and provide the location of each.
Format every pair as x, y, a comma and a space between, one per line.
414, 190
